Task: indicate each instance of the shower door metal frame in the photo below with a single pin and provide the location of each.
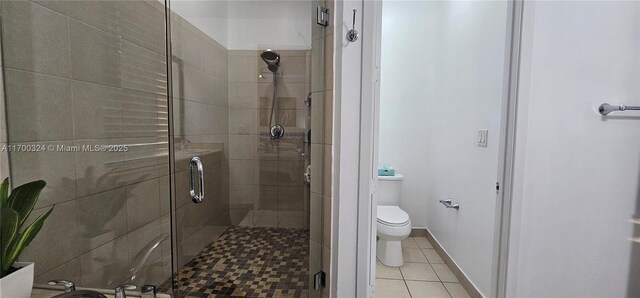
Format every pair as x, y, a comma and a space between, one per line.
172, 182
507, 150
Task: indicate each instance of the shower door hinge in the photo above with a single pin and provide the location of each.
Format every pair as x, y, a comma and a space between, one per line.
322, 16
319, 280
307, 101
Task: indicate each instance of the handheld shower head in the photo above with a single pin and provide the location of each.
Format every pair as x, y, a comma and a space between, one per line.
271, 58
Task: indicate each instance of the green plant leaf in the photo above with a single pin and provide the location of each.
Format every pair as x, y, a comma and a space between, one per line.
24, 239
24, 197
8, 230
4, 193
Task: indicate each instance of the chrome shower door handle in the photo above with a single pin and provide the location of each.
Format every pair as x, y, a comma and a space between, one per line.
196, 197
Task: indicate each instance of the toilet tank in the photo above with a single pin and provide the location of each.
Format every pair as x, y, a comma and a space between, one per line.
389, 190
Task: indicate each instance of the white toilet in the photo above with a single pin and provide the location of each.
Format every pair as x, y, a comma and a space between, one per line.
394, 224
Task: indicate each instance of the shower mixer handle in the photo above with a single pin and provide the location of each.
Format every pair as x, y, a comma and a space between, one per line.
276, 131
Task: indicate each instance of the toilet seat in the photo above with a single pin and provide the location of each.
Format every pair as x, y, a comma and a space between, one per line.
392, 216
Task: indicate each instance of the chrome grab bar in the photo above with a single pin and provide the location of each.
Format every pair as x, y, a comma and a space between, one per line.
447, 203
606, 108
197, 198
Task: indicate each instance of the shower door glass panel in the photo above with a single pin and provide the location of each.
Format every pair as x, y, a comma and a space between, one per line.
85, 110
250, 234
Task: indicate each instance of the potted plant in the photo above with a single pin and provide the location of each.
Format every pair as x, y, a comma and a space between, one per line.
16, 278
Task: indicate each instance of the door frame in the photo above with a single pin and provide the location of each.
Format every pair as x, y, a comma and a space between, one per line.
367, 83
507, 159
346, 249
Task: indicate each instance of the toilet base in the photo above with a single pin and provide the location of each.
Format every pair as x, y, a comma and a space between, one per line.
390, 252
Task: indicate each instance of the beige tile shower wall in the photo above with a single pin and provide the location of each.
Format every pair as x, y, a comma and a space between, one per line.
266, 176
321, 146
91, 73
201, 128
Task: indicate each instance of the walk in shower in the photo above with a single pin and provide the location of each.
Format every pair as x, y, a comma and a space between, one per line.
200, 178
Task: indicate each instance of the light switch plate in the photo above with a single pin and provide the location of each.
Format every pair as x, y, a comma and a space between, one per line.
483, 136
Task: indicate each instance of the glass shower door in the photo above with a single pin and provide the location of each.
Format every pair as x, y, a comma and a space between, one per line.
234, 79
85, 110
89, 109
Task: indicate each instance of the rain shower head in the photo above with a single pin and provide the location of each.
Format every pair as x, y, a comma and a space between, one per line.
271, 58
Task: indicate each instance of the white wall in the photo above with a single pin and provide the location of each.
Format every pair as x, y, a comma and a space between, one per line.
407, 68
256, 25
442, 80
211, 17
577, 174
251, 25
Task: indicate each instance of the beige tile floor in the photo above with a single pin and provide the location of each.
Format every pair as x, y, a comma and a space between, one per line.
424, 274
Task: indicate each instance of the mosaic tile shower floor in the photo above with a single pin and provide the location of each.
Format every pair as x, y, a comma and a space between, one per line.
250, 262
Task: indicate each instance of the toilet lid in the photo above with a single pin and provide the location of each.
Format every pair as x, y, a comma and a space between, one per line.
392, 215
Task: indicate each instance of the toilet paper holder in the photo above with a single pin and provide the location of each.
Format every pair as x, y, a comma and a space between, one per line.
449, 204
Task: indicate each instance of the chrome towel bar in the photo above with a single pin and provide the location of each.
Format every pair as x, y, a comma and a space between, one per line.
606, 108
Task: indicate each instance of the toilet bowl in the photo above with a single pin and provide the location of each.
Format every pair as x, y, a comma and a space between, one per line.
393, 223
394, 226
